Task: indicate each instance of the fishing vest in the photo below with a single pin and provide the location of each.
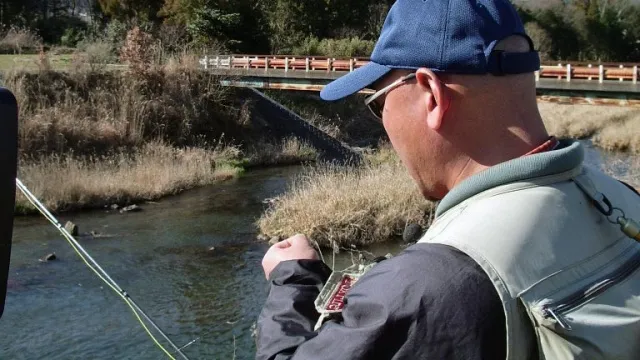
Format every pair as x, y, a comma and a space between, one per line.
553, 248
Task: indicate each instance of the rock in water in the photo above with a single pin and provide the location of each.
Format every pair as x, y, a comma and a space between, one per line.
412, 233
71, 228
131, 208
115, 206
49, 257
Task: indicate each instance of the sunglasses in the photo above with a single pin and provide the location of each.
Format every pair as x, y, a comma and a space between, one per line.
376, 107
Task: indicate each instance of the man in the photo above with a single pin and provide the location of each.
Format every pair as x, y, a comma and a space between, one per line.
455, 90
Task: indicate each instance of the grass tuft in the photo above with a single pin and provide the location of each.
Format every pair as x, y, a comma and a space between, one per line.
65, 182
612, 128
343, 206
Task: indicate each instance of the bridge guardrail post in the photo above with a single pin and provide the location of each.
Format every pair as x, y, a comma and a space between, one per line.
635, 74
306, 64
537, 75
590, 77
286, 64
329, 65
351, 61
266, 63
621, 79
601, 74
568, 72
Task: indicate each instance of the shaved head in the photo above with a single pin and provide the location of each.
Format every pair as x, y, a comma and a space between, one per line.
447, 127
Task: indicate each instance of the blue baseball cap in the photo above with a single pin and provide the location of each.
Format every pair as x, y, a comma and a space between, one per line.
450, 36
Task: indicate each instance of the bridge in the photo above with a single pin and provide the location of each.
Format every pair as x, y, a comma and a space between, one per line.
575, 82
572, 83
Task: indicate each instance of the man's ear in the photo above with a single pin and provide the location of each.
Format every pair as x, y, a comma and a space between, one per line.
436, 97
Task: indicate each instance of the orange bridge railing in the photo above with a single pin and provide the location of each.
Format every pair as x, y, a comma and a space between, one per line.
567, 71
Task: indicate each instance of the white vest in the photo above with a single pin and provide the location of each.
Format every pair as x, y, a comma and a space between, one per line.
568, 278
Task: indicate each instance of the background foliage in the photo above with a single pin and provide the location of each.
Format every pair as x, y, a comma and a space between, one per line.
604, 30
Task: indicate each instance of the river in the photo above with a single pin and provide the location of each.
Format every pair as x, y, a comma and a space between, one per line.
162, 257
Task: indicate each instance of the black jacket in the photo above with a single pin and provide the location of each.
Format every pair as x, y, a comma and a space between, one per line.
429, 302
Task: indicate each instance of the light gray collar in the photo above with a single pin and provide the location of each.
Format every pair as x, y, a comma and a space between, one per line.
568, 155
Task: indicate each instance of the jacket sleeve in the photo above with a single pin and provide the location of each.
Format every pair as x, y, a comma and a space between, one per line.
430, 302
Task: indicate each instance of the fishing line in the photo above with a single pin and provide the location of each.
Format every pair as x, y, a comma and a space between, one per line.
97, 269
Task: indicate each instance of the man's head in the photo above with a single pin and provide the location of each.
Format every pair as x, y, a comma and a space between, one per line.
455, 88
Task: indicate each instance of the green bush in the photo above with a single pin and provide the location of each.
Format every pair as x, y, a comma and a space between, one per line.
343, 48
115, 33
53, 29
71, 37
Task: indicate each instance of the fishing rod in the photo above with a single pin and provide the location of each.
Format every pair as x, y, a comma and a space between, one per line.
8, 184
99, 271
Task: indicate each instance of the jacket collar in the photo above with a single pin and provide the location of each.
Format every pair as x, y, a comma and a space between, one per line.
568, 155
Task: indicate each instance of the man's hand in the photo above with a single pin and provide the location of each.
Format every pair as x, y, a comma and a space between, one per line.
294, 248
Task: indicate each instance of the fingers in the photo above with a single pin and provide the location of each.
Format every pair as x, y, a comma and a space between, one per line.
296, 247
282, 244
298, 240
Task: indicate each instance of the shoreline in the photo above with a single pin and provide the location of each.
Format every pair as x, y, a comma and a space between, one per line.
279, 156
30, 212
375, 203
66, 185
131, 140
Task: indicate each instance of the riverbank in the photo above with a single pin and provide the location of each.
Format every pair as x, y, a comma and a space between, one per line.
341, 207
90, 138
66, 183
612, 128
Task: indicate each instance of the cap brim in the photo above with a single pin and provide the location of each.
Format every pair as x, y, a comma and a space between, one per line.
354, 81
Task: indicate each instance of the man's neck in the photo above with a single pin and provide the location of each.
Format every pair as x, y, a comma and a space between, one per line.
469, 166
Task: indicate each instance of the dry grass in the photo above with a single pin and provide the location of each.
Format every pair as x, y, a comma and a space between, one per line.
287, 152
90, 137
17, 40
620, 136
339, 206
65, 183
31, 62
79, 129
611, 127
92, 111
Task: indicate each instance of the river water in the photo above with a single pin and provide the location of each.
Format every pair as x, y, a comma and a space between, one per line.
162, 257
